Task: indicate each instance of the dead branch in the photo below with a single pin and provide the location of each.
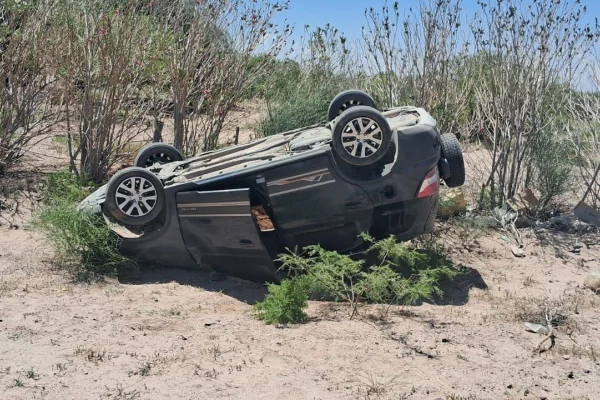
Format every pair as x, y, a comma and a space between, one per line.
551, 336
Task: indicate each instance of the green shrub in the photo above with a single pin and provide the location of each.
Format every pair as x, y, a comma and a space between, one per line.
83, 244
299, 96
285, 302
64, 186
303, 108
552, 167
412, 273
401, 275
273, 79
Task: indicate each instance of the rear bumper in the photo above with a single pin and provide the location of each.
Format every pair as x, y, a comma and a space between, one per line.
406, 220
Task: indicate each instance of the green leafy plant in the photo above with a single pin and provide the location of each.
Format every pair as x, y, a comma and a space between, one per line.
63, 186
305, 107
401, 274
298, 93
412, 273
285, 302
552, 168
83, 243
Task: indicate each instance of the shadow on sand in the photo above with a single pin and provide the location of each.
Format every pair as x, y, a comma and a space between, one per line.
456, 291
242, 290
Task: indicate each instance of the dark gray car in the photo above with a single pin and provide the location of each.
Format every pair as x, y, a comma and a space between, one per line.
234, 209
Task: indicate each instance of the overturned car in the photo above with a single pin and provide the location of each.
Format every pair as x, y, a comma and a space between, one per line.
235, 209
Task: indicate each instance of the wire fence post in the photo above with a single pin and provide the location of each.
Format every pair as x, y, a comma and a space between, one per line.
237, 134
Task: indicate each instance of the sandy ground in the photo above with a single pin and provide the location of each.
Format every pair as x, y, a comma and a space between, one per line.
177, 335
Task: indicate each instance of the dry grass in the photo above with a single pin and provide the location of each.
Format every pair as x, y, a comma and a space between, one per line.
94, 356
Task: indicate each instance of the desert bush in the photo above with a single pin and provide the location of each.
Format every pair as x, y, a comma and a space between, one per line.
298, 93
100, 56
26, 114
531, 51
274, 80
420, 268
84, 245
13, 193
285, 302
419, 58
583, 135
401, 274
213, 59
507, 75
393, 69
305, 107
537, 310
551, 169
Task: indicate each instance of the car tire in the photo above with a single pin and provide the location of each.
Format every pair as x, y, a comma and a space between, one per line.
154, 153
347, 99
134, 196
361, 136
453, 157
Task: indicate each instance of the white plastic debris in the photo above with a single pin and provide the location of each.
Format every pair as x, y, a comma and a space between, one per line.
536, 328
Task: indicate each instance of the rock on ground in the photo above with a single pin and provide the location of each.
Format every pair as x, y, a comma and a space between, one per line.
592, 281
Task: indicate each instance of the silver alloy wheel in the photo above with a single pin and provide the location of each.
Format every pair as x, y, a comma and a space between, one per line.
362, 137
136, 196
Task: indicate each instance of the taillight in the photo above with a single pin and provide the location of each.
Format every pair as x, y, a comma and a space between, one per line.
431, 183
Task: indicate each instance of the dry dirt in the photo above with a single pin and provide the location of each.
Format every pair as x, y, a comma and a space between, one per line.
177, 335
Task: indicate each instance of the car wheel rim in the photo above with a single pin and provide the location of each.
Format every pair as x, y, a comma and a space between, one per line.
136, 197
362, 137
158, 158
348, 104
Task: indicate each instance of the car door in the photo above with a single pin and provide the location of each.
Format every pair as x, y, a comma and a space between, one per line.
219, 231
312, 204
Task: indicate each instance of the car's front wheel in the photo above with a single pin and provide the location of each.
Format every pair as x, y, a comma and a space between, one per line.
134, 196
361, 136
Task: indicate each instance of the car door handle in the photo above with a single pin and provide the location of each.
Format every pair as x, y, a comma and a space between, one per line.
353, 205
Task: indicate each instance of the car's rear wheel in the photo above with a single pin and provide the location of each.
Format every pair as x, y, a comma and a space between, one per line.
361, 136
348, 99
134, 196
453, 157
157, 153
